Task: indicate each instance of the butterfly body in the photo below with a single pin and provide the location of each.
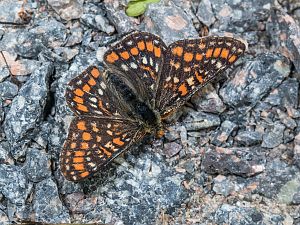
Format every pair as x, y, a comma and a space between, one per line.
143, 82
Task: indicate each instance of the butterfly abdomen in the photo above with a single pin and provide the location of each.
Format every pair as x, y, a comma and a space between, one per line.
139, 107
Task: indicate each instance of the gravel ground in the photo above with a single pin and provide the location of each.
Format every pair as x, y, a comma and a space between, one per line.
232, 158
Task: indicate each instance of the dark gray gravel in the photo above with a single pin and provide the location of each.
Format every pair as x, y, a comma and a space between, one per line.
231, 157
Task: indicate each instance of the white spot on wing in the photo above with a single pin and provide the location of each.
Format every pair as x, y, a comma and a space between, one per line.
133, 65
103, 85
100, 91
124, 67
144, 60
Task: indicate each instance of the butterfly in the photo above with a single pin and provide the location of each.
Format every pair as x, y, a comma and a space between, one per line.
144, 81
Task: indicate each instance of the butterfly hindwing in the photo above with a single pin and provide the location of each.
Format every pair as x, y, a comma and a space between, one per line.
190, 64
94, 142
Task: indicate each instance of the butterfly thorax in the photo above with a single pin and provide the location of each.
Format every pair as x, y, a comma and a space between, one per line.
149, 118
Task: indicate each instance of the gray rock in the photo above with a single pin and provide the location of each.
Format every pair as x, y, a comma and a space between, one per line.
239, 16
255, 80
200, 120
97, 22
47, 206
169, 22
223, 186
119, 19
5, 157
69, 9
14, 185
27, 110
8, 90
76, 35
205, 13
285, 35
273, 136
4, 72
248, 138
171, 149
286, 94
207, 100
37, 165
227, 127
276, 175
243, 162
229, 214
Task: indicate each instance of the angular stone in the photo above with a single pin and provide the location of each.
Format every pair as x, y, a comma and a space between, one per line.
285, 35
277, 174
47, 206
286, 94
273, 136
205, 13
207, 100
227, 127
200, 120
27, 110
169, 22
255, 80
8, 90
248, 138
13, 183
171, 149
243, 162
69, 9
37, 165
97, 22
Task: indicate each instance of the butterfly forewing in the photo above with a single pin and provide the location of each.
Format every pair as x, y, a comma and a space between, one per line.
138, 58
89, 95
190, 64
94, 142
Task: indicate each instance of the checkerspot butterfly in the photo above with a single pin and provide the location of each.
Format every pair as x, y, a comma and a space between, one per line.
143, 83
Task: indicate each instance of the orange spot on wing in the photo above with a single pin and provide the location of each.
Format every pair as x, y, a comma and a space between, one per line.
177, 51
157, 51
78, 99
188, 56
79, 153
118, 141
85, 174
134, 51
84, 145
232, 58
92, 82
149, 46
73, 145
224, 53
182, 88
82, 108
81, 125
112, 57
141, 45
95, 72
199, 77
79, 92
86, 88
209, 53
125, 55
217, 52
78, 160
106, 152
78, 167
199, 57
86, 136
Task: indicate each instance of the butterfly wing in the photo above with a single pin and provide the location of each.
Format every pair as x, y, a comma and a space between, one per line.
191, 64
101, 130
138, 58
94, 142
89, 95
